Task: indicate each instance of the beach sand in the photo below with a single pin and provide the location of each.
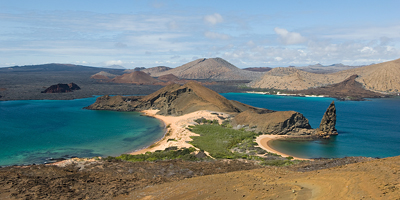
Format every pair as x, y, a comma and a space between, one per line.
263, 142
177, 134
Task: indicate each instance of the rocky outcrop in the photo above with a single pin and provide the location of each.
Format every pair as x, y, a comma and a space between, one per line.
117, 103
62, 88
273, 122
328, 122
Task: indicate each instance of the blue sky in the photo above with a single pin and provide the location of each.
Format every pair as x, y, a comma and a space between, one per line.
171, 33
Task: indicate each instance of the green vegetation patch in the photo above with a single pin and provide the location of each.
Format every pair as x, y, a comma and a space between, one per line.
168, 154
219, 141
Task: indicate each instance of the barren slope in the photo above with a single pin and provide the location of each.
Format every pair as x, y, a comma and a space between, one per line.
213, 68
348, 88
136, 77
289, 78
376, 179
381, 77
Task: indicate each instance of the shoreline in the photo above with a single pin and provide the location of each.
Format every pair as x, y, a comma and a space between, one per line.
176, 133
264, 141
176, 129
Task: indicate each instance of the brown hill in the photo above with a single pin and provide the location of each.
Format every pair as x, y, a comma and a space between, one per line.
213, 68
289, 78
168, 78
347, 89
103, 75
173, 99
381, 77
137, 77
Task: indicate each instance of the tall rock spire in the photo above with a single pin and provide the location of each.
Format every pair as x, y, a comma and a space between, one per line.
328, 121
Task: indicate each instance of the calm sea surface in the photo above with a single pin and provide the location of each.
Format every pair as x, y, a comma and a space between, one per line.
32, 131
35, 130
366, 128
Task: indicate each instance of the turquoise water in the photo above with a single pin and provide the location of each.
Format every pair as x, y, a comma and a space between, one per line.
33, 131
366, 128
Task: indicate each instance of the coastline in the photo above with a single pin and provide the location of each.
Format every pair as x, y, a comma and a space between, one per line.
264, 142
176, 133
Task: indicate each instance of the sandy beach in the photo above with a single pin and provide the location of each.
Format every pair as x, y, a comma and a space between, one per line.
263, 142
176, 133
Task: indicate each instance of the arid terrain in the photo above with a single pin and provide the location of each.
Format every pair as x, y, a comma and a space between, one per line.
345, 178
382, 77
375, 179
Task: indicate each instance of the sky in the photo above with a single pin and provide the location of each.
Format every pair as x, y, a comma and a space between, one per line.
139, 33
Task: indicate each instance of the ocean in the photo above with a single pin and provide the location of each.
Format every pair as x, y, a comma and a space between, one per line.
33, 131
366, 128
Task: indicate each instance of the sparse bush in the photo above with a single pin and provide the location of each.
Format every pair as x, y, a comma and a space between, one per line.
168, 154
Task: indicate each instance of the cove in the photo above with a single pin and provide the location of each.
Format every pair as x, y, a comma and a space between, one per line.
32, 131
366, 128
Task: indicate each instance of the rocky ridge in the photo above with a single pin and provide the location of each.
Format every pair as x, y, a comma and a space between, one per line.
177, 100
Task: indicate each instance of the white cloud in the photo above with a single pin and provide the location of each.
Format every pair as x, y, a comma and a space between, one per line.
113, 62
213, 35
213, 19
288, 38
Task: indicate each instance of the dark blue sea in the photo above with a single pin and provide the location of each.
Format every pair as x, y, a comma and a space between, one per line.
32, 131
366, 128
